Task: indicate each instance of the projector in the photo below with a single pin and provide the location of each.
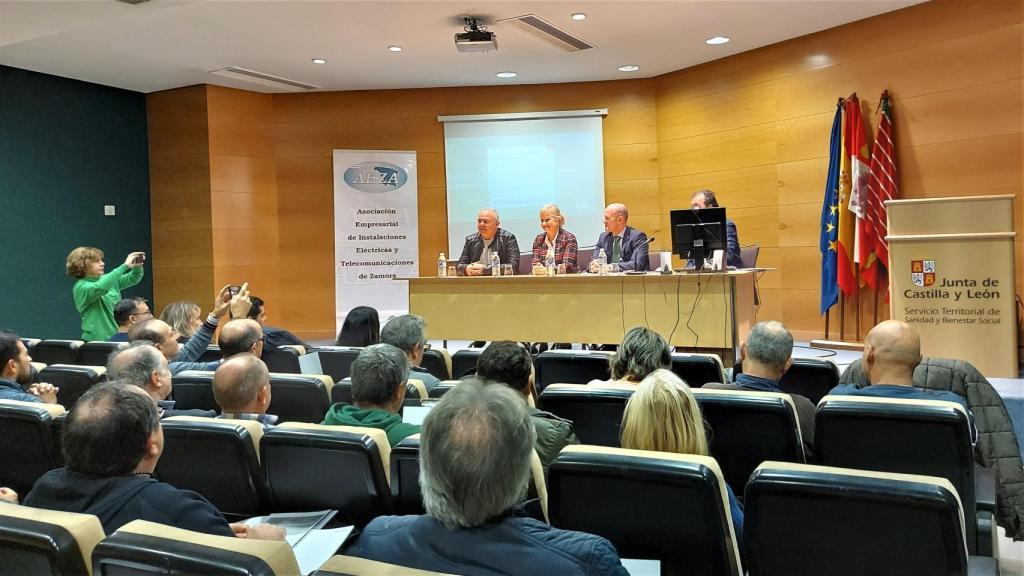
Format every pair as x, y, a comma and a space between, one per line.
476, 41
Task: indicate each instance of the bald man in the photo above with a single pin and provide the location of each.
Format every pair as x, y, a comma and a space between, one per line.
489, 239
892, 350
623, 244
241, 386
240, 336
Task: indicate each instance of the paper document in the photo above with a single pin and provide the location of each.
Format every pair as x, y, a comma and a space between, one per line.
310, 363
415, 414
637, 567
311, 544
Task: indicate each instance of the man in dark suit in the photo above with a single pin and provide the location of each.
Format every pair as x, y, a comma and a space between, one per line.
489, 239
706, 199
623, 245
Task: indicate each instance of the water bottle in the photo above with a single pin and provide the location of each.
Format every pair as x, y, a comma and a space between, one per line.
549, 261
495, 264
602, 262
442, 266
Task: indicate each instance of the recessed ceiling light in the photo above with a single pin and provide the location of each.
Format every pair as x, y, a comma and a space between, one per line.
629, 68
395, 48
506, 74
319, 61
717, 40
579, 16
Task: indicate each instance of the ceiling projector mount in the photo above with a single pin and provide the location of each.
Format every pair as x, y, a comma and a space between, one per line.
476, 37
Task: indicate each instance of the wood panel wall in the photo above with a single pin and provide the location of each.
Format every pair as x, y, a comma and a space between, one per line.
753, 127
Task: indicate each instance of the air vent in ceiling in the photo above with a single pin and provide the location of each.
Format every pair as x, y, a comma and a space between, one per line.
133, 2
263, 78
534, 26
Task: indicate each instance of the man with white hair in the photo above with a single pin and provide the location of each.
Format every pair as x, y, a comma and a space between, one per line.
475, 453
489, 239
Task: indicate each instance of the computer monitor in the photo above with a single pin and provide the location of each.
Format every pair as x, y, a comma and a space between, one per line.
697, 233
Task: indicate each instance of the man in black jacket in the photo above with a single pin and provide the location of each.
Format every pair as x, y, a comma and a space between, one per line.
488, 240
112, 441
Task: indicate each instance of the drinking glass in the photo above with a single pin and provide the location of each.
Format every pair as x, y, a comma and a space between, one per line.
452, 270
560, 269
506, 269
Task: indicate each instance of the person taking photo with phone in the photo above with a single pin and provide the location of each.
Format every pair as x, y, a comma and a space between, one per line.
96, 293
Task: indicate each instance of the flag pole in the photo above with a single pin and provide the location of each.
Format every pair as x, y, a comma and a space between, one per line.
842, 316
828, 313
856, 282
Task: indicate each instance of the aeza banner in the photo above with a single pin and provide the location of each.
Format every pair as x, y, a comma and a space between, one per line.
376, 230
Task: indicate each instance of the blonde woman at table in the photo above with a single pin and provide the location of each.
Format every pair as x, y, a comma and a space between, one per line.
555, 238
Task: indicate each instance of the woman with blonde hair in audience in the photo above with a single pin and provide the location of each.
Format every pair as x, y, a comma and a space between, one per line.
663, 416
560, 241
183, 316
96, 293
641, 352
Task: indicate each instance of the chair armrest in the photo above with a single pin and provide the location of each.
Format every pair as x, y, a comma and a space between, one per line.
985, 488
982, 566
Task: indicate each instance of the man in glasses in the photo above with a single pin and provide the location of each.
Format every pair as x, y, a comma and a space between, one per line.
127, 313
239, 336
408, 333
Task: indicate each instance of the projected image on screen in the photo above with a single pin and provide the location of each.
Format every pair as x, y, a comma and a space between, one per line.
516, 167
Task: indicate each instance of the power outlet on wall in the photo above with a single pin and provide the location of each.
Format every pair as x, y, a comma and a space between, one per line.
109, 210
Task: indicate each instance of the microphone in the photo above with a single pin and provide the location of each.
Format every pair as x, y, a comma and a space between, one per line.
650, 240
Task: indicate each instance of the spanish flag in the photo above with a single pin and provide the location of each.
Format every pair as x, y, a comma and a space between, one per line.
847, 220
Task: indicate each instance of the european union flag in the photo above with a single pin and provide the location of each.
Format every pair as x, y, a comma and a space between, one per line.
829, 240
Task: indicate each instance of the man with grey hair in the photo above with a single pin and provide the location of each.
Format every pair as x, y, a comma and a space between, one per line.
475, 453
241, 387
489, 239
142, 365
766, 355
641, 352
408, 333
379, 375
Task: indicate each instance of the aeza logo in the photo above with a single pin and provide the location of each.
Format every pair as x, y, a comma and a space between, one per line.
376, 177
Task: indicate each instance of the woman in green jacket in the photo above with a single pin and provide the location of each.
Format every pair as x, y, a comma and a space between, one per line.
96, 293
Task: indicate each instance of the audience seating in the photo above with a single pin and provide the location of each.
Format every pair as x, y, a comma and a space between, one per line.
405, 476
416, 390
284, 359
811, 378
927, 437
438, 362
37, 367
28, 443
44, 542
746, 428
316, 467
299, 397
352, 566
193, 390
444, 386
464, 362
570, 367
211, 354
336, 361
698, 369
142, 547
596, 411
73, 381
650, 505
218, 458
96, 353
803, 520
30, 345
58, 352
342, 392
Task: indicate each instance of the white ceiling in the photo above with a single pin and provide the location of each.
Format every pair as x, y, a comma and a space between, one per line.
166, 44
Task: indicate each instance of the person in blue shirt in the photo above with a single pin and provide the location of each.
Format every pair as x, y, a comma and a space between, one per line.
663, 416
892, 350
16, 373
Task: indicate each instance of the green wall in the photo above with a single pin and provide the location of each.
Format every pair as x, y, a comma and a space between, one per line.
67, 148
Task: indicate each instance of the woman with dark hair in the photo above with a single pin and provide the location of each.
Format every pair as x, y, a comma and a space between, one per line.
361, 327
96, 293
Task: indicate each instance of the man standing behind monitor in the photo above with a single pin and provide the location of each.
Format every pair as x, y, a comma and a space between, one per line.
706, 199
489, 239
622, 244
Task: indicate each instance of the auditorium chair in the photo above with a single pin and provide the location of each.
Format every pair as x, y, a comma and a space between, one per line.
464, 362
283, 359
651, 505
73, 381
218, 458
595, 411
438, 362
353, 566
211, 354
336, 361
30, 345
96, 353
148, 548
698, 369
193, 390
317, 467
28, 442
928, 437
58, 352
342, 392
46, 542
745, 428
443, 387
299, 397
570, 367
811, 378
804, 520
